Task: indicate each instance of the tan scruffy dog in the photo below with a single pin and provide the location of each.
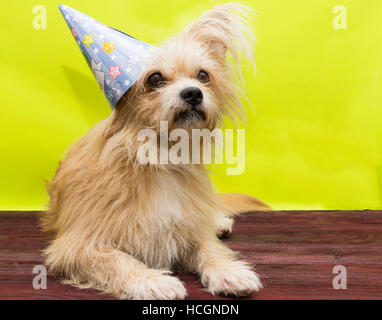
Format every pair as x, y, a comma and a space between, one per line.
120, 226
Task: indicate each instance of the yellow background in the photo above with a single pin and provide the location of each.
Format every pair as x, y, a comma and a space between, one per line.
315, 140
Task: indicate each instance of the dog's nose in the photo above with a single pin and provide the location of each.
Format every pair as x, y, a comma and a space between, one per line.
192, 95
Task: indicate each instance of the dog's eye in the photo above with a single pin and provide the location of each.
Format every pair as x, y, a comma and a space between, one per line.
155, 80
203, 76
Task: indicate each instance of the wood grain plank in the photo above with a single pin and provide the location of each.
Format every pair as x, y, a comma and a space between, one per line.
294, 253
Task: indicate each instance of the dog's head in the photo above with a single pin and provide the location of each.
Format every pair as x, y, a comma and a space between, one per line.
190, 80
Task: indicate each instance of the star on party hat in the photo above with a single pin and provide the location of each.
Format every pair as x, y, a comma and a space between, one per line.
115, 58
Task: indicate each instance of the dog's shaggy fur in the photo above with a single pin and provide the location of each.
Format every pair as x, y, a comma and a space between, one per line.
120, 226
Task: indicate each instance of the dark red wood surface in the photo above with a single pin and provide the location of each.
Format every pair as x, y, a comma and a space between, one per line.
294, 253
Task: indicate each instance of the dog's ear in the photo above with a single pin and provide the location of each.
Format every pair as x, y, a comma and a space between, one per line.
225, 29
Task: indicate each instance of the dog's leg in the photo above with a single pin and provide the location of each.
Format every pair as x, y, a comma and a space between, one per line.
114, 272
234, 204
222, 273
225, 223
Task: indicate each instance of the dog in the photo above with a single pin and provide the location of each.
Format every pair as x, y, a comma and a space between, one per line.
121, 227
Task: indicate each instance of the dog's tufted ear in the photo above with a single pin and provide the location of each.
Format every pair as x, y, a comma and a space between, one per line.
217, 47
225, 29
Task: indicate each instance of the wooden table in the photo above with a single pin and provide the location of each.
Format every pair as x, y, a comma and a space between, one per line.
294, 252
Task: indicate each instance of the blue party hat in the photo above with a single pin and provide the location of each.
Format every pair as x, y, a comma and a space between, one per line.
115, 58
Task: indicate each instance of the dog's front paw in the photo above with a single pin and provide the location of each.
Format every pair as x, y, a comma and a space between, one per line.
237, 279
225, 224
160, 286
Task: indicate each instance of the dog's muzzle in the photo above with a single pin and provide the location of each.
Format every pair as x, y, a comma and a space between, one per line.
194, 112
192, 95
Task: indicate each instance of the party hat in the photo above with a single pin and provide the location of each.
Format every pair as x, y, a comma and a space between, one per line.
116, 58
